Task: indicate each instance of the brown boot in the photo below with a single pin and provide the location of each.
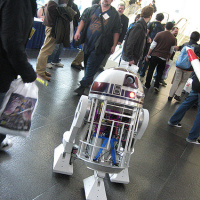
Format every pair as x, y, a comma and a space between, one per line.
45, 77
47, 74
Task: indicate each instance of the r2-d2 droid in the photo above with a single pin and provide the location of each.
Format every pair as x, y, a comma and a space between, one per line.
109, 122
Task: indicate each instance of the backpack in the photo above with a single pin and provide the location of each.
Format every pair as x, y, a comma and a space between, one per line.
156, 29
183, 61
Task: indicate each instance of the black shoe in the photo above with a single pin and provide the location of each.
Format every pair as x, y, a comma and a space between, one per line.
163, 83
79, 67
170, 98
156, 89
178, 98
174, 125
80, 90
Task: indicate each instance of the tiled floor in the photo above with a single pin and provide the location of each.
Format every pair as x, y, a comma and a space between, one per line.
163, 167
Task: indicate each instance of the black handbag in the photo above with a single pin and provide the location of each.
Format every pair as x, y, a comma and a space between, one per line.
105, 41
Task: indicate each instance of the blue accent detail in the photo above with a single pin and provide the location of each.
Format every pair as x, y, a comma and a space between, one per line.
122, 93
111, 88
112, 140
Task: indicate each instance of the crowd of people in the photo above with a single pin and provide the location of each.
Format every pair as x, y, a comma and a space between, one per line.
147, 45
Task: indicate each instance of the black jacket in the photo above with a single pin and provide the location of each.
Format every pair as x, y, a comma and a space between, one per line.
124, 23
16, 21
77, 16
61, 29
196, 84
134, 42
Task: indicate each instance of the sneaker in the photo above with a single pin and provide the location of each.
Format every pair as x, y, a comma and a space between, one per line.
57, 64
170, 98
178, 98
163, 83
156, 89
5, 145
174, 125
80, 90
193, 141
49, 65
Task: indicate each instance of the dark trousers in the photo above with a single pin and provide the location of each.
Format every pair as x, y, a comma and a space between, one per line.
2, 136
92, 63
155, 61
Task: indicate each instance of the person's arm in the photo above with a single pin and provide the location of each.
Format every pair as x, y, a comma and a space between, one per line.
171, 52
123, 33
152, 47
115, 41
39, 13
79, 29
134, 35
15, 29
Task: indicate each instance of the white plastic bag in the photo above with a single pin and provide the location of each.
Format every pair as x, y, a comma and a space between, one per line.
188, 85
133, 68
166, 70
18, 107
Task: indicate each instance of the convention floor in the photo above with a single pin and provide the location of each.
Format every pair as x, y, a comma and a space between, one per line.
163, 167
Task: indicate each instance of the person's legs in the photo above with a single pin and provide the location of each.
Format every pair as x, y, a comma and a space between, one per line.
185, 76
4, 145
76, 63
105, 60
152, 65
195, 131
45, 51
160, 68
54, 57
177, 80
183, 108
144, 68
91, 68
57, 55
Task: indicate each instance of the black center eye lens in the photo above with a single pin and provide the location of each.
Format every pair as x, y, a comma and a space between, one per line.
130, 79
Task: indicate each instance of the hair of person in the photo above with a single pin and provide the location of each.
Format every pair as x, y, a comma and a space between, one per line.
132, 2
121, 4
147, 11
169, 26
159, 17
174, 28
195, 36
137, 17
95, 2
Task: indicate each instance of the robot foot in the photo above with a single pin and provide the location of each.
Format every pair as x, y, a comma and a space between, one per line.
94, 188
122, 177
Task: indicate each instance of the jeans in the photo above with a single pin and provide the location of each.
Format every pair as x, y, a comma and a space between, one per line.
54, 57
144, 68
155, 61
92, 63
2, 136
183, 108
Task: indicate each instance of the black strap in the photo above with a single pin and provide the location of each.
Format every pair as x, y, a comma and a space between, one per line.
102, 24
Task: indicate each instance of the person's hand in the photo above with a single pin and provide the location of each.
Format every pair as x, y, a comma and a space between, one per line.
112, 50
77, 36
119, 43
31, 77
131, 62
147, 59
149, 40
